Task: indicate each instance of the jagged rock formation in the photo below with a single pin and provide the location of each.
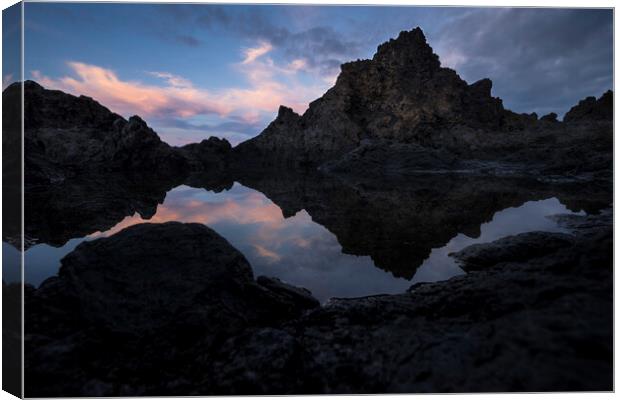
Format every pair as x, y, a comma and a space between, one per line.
67, 136
173, 309
404, 100
591, 109
402, 94
551, 117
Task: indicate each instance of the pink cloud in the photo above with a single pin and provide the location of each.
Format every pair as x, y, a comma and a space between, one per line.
7, 80
264, 252
268, 86
252, 53
132, 97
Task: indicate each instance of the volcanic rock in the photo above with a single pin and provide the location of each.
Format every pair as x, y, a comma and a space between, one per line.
522, 247
154, 299
173, 309
402, 94
592, 109
401, 112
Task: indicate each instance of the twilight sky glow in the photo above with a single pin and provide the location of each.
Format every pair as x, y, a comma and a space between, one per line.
194, 71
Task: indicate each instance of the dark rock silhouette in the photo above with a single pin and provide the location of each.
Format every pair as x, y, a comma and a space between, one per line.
592, 109
209, 155
128, 302
68, 136
402, 94
403, 102
412, 114
173, 309
551, 117
516, 248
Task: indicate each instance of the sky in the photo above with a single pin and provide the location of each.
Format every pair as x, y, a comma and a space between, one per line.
193, 71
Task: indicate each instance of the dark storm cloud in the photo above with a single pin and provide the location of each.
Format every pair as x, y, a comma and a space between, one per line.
539, 59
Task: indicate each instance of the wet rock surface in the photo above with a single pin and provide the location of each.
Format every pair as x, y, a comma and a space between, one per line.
142, 311
174, 309
512, 248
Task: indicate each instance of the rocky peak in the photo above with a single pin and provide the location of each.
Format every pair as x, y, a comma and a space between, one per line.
401, 94
482, 87
287, 115
409, 50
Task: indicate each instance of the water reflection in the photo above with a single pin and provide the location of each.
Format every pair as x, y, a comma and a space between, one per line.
301, 251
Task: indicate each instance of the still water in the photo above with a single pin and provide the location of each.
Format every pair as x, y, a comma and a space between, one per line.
297, 250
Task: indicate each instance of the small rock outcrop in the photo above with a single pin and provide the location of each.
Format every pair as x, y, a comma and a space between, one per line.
516, 248
592, 109
551, 117
211, 154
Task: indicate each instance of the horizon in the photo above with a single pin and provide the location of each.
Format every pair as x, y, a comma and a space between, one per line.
228, 68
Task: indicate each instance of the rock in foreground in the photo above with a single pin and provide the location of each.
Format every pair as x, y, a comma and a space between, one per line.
173, 309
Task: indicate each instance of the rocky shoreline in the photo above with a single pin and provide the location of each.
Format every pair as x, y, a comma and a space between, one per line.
143, 313
396, 159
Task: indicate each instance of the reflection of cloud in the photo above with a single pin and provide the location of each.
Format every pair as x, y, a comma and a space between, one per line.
252, 208
271, 256
302, 242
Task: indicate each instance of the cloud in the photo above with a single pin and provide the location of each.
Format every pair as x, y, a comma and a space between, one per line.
540, 60
268, 86
321, 48
173, 80
7, 80
269, 255
252, 53
133, 97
